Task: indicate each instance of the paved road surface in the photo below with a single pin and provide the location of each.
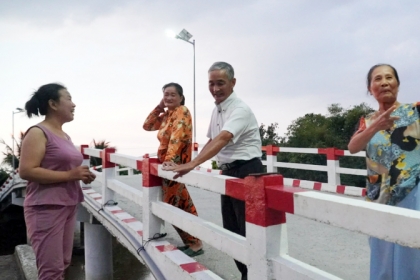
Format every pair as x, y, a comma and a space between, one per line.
337, 251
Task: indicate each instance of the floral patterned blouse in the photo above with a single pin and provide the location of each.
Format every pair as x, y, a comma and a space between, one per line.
175, 133
393, 156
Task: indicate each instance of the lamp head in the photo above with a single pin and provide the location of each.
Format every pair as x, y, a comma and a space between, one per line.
184, 35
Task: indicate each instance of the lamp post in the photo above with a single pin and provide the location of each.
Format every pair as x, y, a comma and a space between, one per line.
18, 110
186, 36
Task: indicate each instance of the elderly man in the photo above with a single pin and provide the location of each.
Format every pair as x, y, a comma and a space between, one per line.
234, 139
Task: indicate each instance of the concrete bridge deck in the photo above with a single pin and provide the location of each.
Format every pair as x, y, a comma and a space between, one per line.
337, 251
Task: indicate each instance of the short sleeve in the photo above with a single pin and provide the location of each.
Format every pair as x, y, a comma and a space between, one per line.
360, 127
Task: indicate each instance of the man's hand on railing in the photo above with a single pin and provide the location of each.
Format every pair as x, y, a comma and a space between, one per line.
180, 170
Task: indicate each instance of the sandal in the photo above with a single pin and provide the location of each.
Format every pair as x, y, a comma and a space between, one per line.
189, 252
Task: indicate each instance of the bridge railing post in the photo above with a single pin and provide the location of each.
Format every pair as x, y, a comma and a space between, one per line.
271, 152
108, 172
152, 192
333, 164
81, 211
266, 232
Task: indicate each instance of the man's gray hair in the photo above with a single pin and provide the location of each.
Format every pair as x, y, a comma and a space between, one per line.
220, 65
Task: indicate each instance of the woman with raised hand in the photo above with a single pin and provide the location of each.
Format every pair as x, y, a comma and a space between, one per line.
52, 165
174, 134
391, 137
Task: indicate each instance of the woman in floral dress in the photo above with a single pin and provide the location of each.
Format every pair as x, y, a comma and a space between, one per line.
174, 134
391, 137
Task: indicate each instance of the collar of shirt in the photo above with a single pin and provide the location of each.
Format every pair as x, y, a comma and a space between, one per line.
225, 104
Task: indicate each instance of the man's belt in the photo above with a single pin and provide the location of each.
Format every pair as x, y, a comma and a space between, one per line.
235, 164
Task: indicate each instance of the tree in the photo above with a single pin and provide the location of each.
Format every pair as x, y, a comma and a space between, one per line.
102, 144
4, 174
8, 154
269, 135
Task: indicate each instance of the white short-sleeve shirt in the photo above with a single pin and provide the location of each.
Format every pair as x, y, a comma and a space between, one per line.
234, 116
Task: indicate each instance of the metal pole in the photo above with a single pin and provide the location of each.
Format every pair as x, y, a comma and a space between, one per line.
195, 127
98, 253
13, 141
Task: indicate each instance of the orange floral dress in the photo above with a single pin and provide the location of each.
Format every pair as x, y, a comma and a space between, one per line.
175, 137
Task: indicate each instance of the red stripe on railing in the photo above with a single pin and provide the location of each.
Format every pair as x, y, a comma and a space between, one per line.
117, 211
339, 152
193, 267
82, 150
139, 164
154, 169
331, 153
341, 189
105, 156
166, 248
129, 220
281, 198
271, 150
235, 188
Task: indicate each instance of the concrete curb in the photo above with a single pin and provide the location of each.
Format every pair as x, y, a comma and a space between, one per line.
25, 259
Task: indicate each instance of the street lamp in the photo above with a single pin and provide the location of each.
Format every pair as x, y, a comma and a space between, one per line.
18, 110
186, 36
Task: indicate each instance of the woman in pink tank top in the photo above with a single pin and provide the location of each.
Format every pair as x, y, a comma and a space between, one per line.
52, 165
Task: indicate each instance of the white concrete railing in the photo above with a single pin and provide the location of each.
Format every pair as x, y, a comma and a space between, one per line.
264, 249
332, 168
13, 183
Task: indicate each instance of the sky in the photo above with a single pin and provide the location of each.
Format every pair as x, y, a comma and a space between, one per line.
290, 58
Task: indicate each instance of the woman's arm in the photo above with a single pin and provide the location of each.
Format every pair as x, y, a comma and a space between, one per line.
360, 140
154, 119
32, 153
362, 137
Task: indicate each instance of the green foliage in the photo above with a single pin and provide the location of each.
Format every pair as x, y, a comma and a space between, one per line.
4, 174
102, 144
125, 172
319, 131
270, 137
8, 153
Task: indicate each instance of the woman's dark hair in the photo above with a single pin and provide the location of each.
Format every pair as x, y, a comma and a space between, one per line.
369, 75
38, 104
178, 89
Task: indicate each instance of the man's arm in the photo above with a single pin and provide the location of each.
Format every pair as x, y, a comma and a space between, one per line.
205, 146
210, 150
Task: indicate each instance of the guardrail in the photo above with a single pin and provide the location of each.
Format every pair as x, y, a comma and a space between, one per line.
12, 191
332, 168
267, 198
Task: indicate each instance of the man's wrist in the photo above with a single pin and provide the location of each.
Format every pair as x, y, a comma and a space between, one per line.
194, 164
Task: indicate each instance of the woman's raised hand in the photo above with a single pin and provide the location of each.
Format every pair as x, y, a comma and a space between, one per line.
162, 104
385, 121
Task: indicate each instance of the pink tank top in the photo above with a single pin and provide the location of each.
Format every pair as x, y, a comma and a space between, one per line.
60, 155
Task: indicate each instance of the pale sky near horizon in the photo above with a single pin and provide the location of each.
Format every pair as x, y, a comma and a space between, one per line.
290, 58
